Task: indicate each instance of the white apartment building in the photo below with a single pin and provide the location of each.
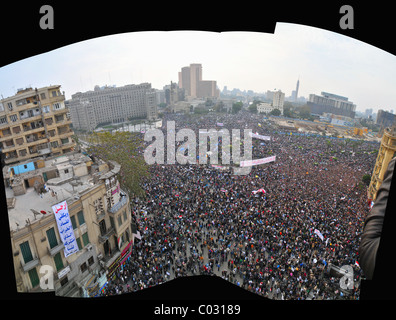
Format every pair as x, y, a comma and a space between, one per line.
278, 98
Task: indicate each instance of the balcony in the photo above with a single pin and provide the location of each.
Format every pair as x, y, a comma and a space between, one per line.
30, 265
53, 251
118, 205
106, 235
43, 151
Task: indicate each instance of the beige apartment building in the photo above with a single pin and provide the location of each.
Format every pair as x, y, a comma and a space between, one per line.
34, 123
100, 217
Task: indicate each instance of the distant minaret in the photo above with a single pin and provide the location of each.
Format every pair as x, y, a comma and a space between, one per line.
297, 86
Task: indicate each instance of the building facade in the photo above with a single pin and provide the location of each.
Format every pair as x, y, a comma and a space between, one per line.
112, 104
331, 103
278, 98
190, 79
35, 123
385, 118
386, 152
100, 217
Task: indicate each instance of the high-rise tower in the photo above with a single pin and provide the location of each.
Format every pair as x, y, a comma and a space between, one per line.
297, 86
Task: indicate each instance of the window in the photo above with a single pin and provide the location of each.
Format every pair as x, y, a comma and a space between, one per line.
13, 117
73, 221
1, 107
119, 220
125, 215
66, 171
83, 267
64, 281
58, 261
91, 261
26, 253
42, 96
46, 109
53, 242
85, 238
3, 120
79, 243
57, 106
9, 104
80, 217
34, 279
54, 93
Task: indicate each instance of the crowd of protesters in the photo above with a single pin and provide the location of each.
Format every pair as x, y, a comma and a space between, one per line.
200, 219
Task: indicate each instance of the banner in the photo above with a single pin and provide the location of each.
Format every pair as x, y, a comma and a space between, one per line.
319, 234
259, 136
220, 124
65, 228
259, 190
248, 163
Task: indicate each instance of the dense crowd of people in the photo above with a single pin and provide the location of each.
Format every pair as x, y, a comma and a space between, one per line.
199, 219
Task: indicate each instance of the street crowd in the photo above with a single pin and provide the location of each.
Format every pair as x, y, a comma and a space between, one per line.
279, 243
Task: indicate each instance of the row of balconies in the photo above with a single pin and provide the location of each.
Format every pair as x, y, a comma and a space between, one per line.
14, 156
34, 140
33, 127
34, 103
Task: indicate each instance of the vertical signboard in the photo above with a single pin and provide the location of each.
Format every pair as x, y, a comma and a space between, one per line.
65, 228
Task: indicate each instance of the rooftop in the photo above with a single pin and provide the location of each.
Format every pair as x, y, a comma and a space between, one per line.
65, 187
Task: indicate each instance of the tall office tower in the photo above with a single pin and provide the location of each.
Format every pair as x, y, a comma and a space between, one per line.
190, 79
35, 123
112, 104
184, 80
297, 87
195, 78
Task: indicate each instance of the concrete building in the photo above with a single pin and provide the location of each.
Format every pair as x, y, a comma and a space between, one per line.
331, 103
385, 118
100, 217
386, 152
278, 98
110, 104
190, 79
34, 123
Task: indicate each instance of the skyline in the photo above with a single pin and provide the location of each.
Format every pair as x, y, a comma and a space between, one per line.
322, 60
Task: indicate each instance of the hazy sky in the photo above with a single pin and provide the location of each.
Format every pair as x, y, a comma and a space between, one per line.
323, 60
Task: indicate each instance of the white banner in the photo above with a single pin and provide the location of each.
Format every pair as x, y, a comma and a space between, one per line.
255, 162
319, 234
259, 136
65, 228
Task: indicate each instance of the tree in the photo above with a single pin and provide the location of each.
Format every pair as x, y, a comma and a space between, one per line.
304, 112
366, 179
236, 107
122, 147
275, 112
253, 108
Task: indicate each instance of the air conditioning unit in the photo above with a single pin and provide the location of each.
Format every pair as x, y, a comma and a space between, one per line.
89, 247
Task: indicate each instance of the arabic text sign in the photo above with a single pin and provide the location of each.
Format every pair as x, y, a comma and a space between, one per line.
65, 228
